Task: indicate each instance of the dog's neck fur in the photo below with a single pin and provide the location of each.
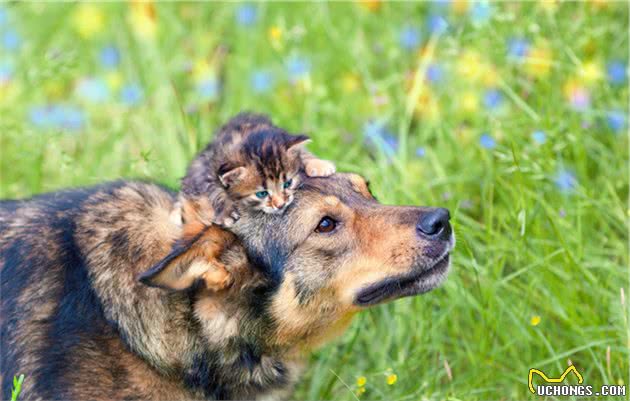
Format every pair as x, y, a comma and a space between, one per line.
226, 352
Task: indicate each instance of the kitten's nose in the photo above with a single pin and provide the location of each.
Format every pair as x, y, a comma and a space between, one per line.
277, 202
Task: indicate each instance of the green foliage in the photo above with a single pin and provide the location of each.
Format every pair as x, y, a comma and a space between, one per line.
541, 261
17, 387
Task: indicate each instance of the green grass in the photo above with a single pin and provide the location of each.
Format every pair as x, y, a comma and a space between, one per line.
525, 247
17, 387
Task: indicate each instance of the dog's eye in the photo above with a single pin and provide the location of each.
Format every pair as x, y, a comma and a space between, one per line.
326, 225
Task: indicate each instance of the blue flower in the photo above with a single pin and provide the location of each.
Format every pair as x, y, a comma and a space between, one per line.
435, 72
262, 81
617, 72
486, 141
377, 135
492, 98
565, 180
409, 37
71, 118
297, 67
539, 137
110, 57
61, 117
208, 89
518, 48
11, 40
246, 14
93, 90
131, 94
481, 12
437, 23
616, 120
39, 116
421, 151
440, 4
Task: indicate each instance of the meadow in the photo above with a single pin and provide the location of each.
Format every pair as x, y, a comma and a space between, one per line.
514, 115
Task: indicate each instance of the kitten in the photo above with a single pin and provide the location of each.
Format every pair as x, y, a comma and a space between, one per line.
251, 165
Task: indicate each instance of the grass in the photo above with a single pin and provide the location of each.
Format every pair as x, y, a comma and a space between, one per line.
17, 387
541, 263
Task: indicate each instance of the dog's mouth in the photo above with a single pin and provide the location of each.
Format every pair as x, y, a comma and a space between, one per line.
403, 286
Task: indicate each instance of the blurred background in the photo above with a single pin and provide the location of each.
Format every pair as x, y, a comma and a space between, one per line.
514, 115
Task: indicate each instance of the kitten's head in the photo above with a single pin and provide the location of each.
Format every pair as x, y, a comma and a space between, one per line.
268, 171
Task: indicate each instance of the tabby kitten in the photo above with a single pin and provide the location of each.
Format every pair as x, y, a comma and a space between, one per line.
251, 165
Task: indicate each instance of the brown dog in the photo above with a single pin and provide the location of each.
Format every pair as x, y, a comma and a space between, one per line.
80, 325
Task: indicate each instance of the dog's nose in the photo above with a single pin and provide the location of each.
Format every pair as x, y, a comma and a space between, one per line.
434, 224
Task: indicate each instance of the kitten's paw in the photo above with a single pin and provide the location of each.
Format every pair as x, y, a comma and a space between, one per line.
319, 168
227, 219
218, 278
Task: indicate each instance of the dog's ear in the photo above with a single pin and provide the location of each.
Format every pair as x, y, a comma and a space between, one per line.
233, 176
191, 260
297, 142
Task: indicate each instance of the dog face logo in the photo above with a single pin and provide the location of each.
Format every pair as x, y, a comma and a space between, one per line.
570, 369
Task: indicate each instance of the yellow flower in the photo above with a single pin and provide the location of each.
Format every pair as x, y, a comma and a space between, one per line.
428, 106
275, 33
54, 89
350, 82
600, 3
470, 101
114, 80
469, 65
143, 19
549, 5
371, 5
573, 88
360, 391
591, 72
535, 320
88, 20
361, 380
460, 6
538, 62
490, 76
472, 67
8, 91
391, 379
202, 70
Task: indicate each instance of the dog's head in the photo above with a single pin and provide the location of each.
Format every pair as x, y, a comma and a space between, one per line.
335, 251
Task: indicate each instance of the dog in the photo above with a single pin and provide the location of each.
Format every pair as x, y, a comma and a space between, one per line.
101, 301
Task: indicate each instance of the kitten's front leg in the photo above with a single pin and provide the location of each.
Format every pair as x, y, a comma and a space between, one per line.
319, 168
218, 278
225, 212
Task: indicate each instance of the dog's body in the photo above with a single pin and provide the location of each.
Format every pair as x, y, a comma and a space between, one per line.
78, 323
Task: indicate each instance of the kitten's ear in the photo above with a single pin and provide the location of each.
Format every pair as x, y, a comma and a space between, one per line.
233, 176
188, 262
297, 142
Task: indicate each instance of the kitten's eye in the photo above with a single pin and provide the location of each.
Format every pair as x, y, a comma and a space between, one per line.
287, 184
262, 194
326, 225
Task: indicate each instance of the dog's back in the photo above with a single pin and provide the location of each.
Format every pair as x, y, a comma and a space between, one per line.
53, 322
